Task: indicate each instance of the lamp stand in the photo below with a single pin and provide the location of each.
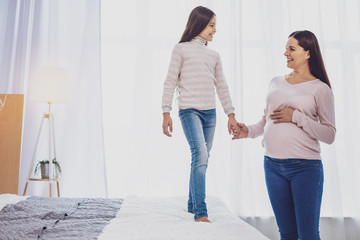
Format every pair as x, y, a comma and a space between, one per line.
52, 153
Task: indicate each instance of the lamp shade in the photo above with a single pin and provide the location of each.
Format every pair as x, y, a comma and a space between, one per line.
48, 84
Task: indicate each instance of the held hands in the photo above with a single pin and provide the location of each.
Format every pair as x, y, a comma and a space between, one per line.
281, 115
231, 123
240, 131
167, 124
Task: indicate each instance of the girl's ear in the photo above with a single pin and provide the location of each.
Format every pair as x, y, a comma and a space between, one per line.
307, 54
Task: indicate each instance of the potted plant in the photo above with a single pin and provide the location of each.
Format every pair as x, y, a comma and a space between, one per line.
43, 166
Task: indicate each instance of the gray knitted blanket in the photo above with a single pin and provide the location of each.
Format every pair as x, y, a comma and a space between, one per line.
57, 218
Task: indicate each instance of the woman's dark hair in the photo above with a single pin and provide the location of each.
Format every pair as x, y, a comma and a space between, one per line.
308, 41
199, 18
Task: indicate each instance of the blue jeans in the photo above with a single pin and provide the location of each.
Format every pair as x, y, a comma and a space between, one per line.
295, 189
199, 129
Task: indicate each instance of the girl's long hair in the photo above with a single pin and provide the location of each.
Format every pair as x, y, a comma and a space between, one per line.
199, 18
308, 41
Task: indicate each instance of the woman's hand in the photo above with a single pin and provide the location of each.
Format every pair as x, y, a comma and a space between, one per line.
231, 123
167, 124
281, 115
241, 131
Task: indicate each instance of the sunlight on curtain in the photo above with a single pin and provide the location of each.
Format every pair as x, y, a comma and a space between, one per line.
63, 34
137, 40
15, 39
67, 34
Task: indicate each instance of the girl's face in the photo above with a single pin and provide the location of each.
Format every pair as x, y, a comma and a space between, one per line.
296, 56
210, 30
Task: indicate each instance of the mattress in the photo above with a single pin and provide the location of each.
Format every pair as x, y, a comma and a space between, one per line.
132, 218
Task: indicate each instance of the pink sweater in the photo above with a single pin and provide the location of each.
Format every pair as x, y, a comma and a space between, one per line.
196, 70
313, 119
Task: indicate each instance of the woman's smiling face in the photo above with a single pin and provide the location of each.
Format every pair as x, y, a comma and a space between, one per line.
295, 55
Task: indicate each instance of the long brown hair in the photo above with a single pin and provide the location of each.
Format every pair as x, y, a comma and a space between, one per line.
308, 41
199, 18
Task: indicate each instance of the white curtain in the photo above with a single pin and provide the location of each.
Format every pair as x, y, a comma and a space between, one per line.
14, 40
58, 33
137, 40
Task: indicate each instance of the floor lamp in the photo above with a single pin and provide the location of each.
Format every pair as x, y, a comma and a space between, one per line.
48, 84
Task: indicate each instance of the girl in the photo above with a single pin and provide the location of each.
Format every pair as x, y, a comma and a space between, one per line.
195, 71
299, 113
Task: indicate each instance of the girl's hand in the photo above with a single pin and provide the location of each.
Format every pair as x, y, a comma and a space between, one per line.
281, 115
241, 131
231, 123
167, 124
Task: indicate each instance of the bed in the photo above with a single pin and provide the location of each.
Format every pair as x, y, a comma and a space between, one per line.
132, 218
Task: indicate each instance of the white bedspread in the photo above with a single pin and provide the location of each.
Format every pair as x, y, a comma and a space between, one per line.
10, 199
142, 218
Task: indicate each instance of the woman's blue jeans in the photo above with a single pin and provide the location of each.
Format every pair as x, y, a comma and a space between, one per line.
199, 129
295, 189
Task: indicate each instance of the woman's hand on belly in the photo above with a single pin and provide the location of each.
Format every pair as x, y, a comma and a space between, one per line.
282, 115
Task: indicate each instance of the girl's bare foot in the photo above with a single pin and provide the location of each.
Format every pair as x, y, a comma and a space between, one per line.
203, 219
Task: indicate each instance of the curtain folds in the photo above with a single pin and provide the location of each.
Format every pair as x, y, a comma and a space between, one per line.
16, 18
66, 34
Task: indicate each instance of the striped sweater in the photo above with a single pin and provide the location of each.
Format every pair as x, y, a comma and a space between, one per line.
196, 71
